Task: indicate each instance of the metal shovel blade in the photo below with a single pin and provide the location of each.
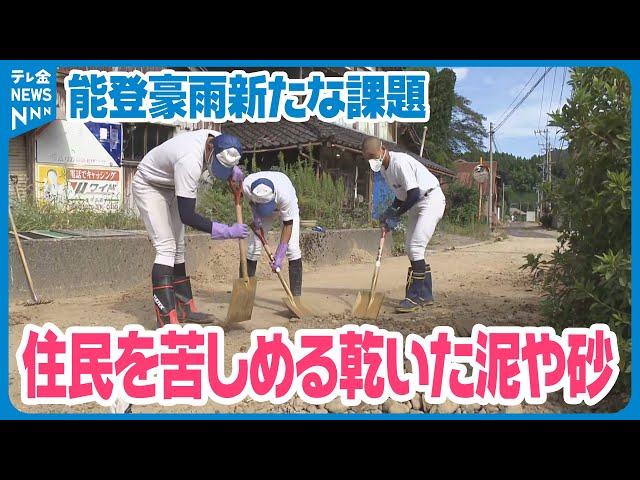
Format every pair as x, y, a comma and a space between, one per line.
365, 308
297, 309
242, 298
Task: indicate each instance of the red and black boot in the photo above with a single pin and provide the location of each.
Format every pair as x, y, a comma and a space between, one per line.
187, 312
164, 300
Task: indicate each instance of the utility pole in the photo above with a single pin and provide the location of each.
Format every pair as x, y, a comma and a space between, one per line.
546, 165
502, 219
490, 176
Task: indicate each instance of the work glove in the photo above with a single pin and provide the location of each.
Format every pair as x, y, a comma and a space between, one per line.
390, 218
279, 256
220, 231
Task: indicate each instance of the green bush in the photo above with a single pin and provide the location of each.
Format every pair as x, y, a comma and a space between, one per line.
588, 277
323, 199
462, 204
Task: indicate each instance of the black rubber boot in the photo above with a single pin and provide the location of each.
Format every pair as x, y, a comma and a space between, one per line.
186, 307
164, 300
412, 303
406, 285
295, 277
427, 289
252, 265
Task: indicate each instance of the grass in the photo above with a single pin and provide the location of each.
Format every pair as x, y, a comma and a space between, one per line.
35, 215
474, 229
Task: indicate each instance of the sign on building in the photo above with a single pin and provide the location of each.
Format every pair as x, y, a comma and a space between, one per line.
80, 163
96, 188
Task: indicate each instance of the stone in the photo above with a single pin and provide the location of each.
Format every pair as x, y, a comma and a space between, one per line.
447, 407
391, 406
514, 409
336, 406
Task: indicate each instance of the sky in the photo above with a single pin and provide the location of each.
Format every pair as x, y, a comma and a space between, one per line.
492, 90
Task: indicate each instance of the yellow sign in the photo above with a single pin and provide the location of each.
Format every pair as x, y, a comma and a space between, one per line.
99, 188
51, 183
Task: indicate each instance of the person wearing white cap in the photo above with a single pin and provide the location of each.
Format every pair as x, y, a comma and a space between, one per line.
418, 193
272, 195
164, 189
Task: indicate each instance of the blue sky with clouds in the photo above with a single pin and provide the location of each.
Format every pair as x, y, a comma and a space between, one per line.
491, 91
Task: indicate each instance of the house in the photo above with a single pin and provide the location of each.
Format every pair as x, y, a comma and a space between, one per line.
88, 163
94, 162
331, 147
464, 175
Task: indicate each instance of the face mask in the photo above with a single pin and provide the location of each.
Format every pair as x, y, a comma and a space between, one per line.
376, 163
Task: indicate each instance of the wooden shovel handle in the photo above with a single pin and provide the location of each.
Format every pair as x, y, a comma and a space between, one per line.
265, 245
237, 194
22, 257
376, 271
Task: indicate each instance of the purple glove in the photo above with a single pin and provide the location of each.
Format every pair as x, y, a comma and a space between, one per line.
279, 256
237, 175
220, 231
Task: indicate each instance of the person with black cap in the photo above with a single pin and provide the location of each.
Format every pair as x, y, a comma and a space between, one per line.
164, 189
272, 195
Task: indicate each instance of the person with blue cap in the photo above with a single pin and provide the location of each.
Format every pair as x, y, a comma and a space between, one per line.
272, 195
165, 188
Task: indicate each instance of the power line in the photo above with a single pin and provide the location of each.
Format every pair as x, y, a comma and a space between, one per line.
542, 102
553, 88
547, 70
521, 90
564, 77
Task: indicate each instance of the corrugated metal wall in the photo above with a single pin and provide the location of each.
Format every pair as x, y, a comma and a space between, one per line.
18, 166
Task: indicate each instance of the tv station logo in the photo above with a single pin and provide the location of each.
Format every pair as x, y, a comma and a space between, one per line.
32, 98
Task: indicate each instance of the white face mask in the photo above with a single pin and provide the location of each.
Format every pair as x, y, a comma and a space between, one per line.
376, 163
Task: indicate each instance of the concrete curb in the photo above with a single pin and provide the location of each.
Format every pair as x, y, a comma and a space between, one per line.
97, 265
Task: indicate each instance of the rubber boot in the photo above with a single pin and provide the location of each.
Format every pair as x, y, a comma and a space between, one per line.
406, 285
252, 265
411, 303
186, 307
427, 291
295, 278
164, 300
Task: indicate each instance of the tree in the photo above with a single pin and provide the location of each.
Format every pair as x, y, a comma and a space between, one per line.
453, 127
588, 278
466, 132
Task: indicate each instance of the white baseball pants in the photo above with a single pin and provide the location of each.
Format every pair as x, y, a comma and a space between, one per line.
159, 211
254, 250
423, 218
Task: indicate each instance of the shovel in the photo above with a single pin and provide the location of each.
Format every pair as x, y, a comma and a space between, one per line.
35, 299
244, 289
368, 303
297, 310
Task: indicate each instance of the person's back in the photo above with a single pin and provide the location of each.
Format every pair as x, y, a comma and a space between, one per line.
185, 149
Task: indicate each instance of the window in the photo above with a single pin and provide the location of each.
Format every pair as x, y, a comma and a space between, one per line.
139, 138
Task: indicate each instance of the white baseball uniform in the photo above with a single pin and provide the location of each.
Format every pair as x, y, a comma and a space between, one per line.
406, 173
170, 170
286, 208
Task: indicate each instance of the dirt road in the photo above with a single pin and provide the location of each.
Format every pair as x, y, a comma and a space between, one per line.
472, 284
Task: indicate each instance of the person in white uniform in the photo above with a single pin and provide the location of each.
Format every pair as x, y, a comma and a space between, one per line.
271, 195
164, 189
417, 193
